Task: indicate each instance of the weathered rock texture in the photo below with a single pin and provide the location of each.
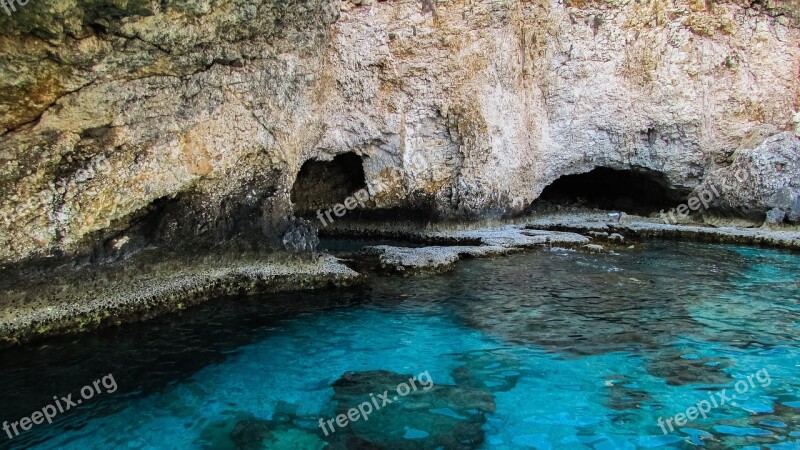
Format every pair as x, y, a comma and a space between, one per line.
764, 179
128, 124
34, 305
493, 242
648, 228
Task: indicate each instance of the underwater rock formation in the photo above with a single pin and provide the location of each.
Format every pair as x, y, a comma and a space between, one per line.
260, 434
430, 417
185, 123
496, 371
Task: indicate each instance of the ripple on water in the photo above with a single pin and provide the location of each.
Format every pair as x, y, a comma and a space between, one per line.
539, 350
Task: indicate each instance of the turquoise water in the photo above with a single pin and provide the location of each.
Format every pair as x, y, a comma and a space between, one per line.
548, 350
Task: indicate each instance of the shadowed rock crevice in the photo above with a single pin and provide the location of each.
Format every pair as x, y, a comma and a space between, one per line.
250, 217
323, 184
636, 191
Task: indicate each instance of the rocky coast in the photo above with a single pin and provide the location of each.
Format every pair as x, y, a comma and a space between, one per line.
158, 154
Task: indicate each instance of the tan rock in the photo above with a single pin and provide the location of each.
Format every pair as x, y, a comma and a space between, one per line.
206, 111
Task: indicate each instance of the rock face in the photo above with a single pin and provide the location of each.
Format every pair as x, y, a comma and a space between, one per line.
186, 122
764, 180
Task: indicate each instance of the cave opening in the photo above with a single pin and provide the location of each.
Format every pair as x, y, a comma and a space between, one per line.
320, 185
323, 188
634, 191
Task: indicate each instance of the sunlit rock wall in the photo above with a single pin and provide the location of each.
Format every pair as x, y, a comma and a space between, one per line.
185, 122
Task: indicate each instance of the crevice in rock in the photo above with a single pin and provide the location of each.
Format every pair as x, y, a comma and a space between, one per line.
324, 187
635, 191
323, 184
128, 235
43, 110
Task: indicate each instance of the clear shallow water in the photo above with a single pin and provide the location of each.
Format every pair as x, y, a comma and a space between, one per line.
565, 350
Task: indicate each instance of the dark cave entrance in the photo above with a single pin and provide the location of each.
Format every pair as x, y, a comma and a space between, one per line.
634, 191
321, 185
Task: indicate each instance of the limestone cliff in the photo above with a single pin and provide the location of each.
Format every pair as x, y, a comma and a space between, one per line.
129, 124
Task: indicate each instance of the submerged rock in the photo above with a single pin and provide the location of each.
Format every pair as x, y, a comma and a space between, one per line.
430, 417
678, 369
495, 371
622, 394
275, 435
250, 433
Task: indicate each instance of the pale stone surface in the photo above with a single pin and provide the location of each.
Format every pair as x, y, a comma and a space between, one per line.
409, 261
760, 179
594, 248
616, 237
123, 124
642, 227
513, 236
494, 242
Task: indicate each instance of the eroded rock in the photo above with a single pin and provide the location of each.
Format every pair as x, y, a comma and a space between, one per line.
762, 179
206, 111
443, 416
267, 434
494, 241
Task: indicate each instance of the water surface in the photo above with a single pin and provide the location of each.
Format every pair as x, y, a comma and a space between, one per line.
555, 348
